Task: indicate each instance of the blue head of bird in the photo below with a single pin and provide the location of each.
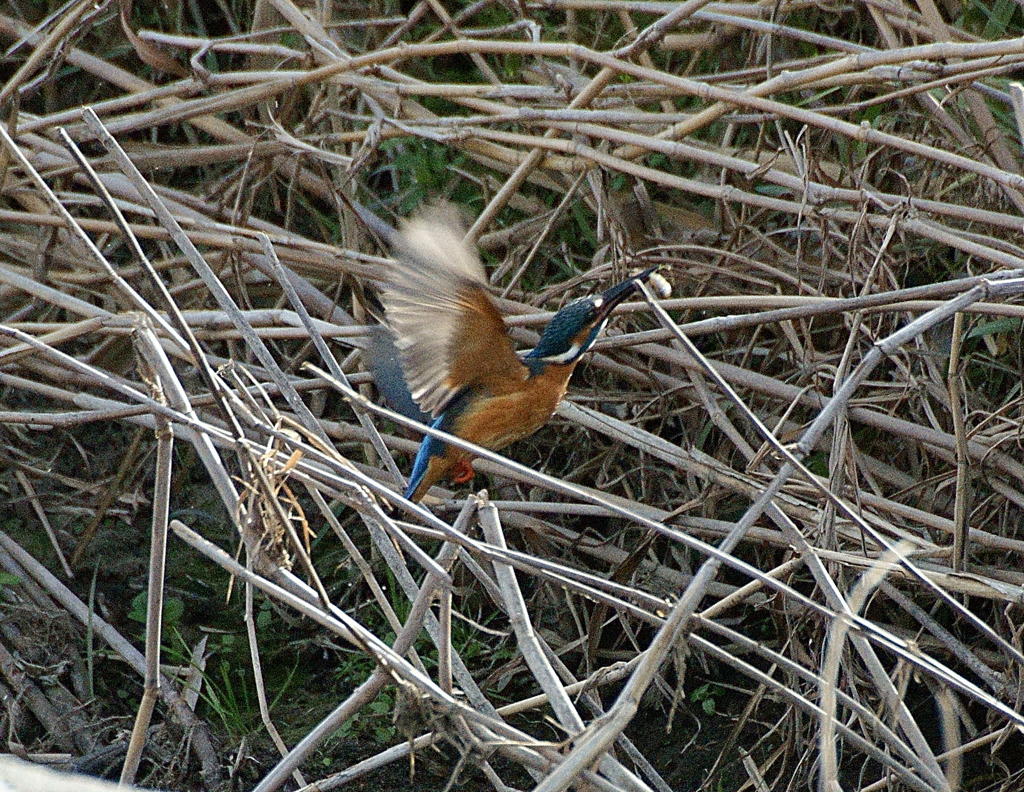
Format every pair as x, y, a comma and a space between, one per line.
573, 330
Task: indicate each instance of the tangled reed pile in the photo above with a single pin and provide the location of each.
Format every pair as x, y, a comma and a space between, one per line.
774, 537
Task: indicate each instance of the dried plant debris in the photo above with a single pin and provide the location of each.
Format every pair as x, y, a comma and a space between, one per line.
772, 540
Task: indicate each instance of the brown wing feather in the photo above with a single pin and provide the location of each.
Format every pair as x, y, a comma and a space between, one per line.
448, 331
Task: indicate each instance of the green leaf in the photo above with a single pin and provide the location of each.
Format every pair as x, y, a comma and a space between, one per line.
1006, 325
174, 608
138, 610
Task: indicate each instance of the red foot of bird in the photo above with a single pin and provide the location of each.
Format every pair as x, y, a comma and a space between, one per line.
462, 472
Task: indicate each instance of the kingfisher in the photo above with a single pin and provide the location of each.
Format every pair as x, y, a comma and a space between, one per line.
456, 355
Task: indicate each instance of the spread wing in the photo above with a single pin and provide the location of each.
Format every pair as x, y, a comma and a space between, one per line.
448, 331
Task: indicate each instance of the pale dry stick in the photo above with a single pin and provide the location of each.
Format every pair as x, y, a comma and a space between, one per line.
37, 507
958, 412
444, 648
996, 587
196, 214
970, 72
192, 678
776, 29
976, 536
533, 655
372, 763
65, 419
232, 238
24, 283
955, 646
235, 44
950, 712
200, 742
32, 590
792, 308
211, 321
147, 348
642, 43
828, 774
883, 19
593, 703
742, 593
1017, 99
105, 108
191, 427
258, 681
600, 735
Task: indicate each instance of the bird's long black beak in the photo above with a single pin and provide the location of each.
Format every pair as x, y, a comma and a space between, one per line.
620, 291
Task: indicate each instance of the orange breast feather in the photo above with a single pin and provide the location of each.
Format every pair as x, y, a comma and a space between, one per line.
496, 421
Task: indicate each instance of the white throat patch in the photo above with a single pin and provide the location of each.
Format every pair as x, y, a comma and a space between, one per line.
565, 357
